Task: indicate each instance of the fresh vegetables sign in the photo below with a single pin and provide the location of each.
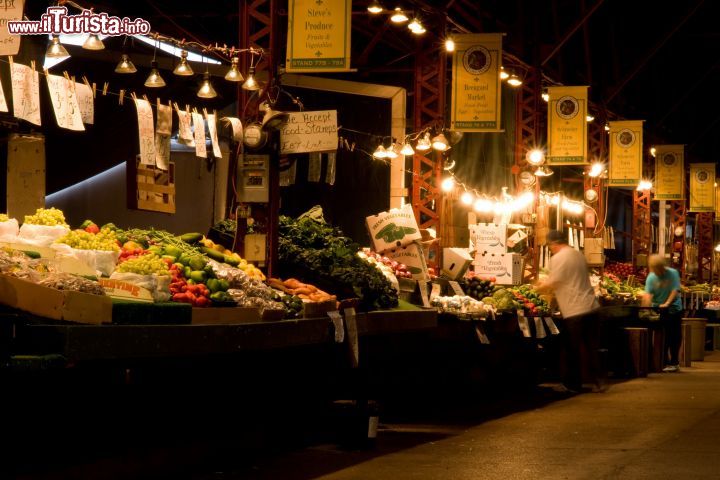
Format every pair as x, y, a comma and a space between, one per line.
392, 229
488, 237
506, 267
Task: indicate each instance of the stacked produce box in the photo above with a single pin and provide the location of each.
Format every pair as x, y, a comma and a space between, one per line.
489, 242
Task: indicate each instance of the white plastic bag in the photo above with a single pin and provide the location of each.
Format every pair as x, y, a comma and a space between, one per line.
102, 261
9, 231
158, 285
41, 235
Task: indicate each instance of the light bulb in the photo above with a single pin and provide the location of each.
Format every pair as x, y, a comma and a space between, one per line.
535, 156
607, 127
407, 149
93, 42
514, 81
543, 172
56, 49
206, 88
380, 153
424, 143
440, 143
375, 7
390, 152
589, 118
416, 27
527, 198
250, 83
399, 16
596, 170
653, 151
483, 205
447, 184
154, 80
467, 198
183, 68
503, 74
545, 96
234, 75
125, 65
449, 45
644, 185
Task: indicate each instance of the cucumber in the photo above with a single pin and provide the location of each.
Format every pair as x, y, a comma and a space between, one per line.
213, 254
191, 238
232, 261
32, 253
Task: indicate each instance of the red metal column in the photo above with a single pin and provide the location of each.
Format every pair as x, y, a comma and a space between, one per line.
705, 245
678, 219
596, 150
258, 29
641, 224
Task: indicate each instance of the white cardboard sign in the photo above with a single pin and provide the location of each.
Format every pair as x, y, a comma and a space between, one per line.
505, 267
64, 102
309, 132
488, 237
199, 135
146, 131
26, 93
86, 101
394, 228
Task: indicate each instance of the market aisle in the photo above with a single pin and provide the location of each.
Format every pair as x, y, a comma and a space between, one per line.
664, 426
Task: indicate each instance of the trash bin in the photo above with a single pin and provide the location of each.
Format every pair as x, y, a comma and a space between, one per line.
697, 332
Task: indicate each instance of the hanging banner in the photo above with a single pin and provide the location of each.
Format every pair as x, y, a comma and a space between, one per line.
319, 36
199, 133
64, 102
717, 200
669, 172
626, 149
86, 101
702, 187
567, 126
146, 131
25, 93
10, 10
476, 83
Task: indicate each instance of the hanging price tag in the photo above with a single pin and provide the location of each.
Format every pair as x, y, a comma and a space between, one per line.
435, 291
523, 324
539, 328
339, 326
551, 326
456, 288
330, 172
352, 335
424, 293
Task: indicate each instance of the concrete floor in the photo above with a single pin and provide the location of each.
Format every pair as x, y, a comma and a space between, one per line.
663, 426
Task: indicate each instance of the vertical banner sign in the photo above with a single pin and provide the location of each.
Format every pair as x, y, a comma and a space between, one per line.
64, 102
163, 130
476, 83
199, 133
669, 172
10, 10
25, 93
86, 101
146, 131
319, 36
567, 126
626, 150
717, 200
702, 187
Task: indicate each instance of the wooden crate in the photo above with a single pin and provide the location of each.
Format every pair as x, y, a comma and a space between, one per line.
150, 188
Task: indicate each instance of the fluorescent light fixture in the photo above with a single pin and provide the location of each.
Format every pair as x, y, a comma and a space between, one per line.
173, 50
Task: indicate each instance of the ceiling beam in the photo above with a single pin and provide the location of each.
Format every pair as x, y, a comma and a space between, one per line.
572, 31
687, 93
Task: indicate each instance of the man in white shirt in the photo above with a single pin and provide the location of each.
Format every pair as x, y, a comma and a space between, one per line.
570, 281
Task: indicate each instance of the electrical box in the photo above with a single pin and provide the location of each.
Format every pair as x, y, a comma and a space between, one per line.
254, 178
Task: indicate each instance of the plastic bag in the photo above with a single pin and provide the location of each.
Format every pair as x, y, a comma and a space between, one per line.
41, 235
102, 261
158, 285
66, 281
9, 231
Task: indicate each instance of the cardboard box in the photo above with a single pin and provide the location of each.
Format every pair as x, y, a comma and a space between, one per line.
413, 257
55, 304
488, 237
455, 262
225, 315
507, 268
393, 229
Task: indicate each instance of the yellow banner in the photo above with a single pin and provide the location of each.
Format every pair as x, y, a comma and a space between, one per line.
717, 200
318, 36
669, 172
626, 150
702, 187
567, 126
476, 83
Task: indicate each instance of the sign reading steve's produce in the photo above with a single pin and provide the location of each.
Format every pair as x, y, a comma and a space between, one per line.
309, 132
319, 36
392, 229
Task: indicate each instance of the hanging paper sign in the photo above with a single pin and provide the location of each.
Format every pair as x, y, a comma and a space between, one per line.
64, 102
199, 133
319, 36
309, 132
476, 83
163, 129
26, 93
10, 10
86, 101
567, 126
3, 101
185, 135
702, 187
237, 128
669, 172
626, 149
146, 131
212, 129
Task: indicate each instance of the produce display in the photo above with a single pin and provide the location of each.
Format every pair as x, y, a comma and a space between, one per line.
93, 239
478, 287
220, 254
613, 290
304, 291
49, 217
702, 288
625, 270
531, 301
386, 265
4, 217
463, 306
311, 249
147, 264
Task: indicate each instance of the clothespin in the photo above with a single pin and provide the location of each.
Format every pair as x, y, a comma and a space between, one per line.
205, 114
105, 88
145, 97
32, 65
87, 82
66, 75
46, 72
94, 89
122, 96
10, 59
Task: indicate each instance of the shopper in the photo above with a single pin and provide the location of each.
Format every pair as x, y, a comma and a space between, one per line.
569, 279
662, 290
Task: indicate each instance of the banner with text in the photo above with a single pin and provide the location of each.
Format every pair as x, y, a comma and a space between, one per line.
319, 36
669, 172
567, 126
702, 187
476, 83
626, 149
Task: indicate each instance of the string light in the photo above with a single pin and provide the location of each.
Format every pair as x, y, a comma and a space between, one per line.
125, 65
206, 88
653, 151
439, 142
154, 80
449, 44
416, 27
399, 16
375, 7
644, 185
589, 118
596, 170
424, 143
407, 149
467, 198
250, 83
543, 172
391, 152
535, 157
483, 205
514, 81
447, 184
183, 69
234, 75
607, 127
93, 42
503, 74
545, 96
56, 49
380, 153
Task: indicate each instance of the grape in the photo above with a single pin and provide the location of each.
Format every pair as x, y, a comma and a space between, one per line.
105, 239
4, 217
145, 265
47, 216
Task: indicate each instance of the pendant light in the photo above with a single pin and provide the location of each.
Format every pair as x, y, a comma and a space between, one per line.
183, 69
399, 16
125, 65
93, 42
250, 83
424, 143
440, 143
206, 88
234, 75
375, 7
407, 149
380, 152
154, 80
56, 49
